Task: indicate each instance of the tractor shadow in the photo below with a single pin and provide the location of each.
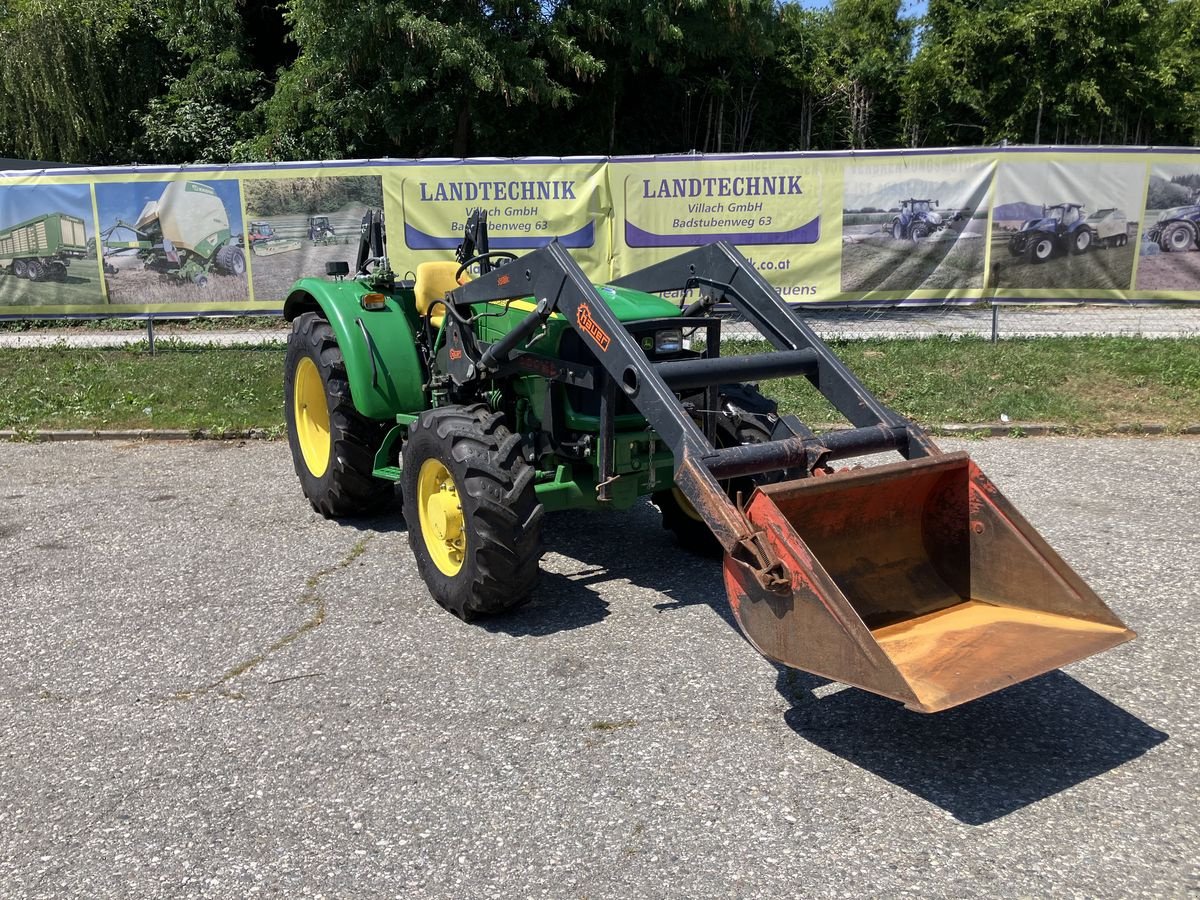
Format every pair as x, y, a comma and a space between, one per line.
584, 550
981, 761
978, 762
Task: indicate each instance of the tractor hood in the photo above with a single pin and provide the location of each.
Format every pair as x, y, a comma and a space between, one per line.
1179, 212
1047, 224
630, 305
933, 218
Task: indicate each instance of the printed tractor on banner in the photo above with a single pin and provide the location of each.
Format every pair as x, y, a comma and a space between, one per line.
184, 235
264, 241
918, 220
498, 399
1178, 229
1063, 228
41, 248
320, 231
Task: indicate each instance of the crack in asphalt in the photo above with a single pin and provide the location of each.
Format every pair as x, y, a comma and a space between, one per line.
309, 599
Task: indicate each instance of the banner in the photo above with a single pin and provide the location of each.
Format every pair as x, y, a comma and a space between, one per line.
881, 228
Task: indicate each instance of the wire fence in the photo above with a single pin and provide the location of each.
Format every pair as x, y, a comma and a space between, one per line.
1000, 320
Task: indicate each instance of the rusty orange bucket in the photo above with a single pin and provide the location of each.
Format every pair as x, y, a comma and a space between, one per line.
916, 580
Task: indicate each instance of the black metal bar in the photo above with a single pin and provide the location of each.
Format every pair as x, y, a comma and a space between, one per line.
497, 354
804, 453
686, 374
722, 268
607, 437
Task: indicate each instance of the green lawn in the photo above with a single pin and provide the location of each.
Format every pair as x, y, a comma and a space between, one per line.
1092, 384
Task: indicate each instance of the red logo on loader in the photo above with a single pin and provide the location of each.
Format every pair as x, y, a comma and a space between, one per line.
583, 315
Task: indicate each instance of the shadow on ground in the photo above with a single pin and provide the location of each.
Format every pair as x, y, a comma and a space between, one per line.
979, 762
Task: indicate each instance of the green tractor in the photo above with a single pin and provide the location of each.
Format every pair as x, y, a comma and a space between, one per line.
497, 390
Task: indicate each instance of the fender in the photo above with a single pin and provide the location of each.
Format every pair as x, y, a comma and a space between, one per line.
384, 369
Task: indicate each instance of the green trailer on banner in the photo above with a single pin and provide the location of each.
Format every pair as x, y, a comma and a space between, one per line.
42, 247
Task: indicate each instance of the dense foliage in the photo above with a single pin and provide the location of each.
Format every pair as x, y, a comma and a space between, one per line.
215, 80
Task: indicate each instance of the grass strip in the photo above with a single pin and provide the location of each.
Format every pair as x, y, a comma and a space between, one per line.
1090, 384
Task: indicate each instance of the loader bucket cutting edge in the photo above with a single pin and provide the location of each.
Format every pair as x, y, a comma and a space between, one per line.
916, 580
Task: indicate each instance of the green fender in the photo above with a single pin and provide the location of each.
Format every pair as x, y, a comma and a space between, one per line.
384, 369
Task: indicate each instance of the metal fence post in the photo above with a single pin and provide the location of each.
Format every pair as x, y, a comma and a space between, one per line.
150, 333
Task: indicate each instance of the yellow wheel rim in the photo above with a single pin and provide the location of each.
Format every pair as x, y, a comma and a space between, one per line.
312, 417
686, 505
442, 522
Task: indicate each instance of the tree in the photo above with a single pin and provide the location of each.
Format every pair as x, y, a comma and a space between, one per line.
402, 78
71, 75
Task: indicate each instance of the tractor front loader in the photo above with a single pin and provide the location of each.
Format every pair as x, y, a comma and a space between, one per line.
530, 389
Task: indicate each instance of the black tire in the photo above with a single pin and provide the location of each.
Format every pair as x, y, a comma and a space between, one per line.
35, 271
344, 486
231, 260
20, 268
1015, 247
1081, 241
919, 232
752, 425
501, 518
1176, 238
1039, 249
897, 230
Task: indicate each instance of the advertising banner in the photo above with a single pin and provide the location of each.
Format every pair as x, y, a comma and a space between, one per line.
777, 210
881, 228
528, 202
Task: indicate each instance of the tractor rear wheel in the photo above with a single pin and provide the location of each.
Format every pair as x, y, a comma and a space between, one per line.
1081, 241
1176, 238
474, 521
333, 447
897, 230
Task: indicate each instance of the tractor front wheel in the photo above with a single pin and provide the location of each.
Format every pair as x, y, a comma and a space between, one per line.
333, 447
1176, 238
1040, 249
746, 418
474, 521
1081, 241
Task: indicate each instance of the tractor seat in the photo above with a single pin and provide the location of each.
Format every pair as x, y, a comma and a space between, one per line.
434, 281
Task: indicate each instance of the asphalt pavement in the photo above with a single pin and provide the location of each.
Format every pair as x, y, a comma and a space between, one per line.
210, 691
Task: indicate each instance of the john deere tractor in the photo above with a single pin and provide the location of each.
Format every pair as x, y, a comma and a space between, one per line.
498, 390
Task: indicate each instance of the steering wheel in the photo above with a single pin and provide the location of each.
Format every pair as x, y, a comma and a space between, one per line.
494, 254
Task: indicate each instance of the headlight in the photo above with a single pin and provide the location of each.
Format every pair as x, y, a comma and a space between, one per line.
668, 341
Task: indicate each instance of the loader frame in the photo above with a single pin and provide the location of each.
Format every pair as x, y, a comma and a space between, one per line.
720, 274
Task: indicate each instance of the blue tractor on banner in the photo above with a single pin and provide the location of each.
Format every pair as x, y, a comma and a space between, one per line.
918, 219
1177, 229
1064, 228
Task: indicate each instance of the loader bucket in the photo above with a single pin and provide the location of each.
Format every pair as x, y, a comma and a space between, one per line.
918, 581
